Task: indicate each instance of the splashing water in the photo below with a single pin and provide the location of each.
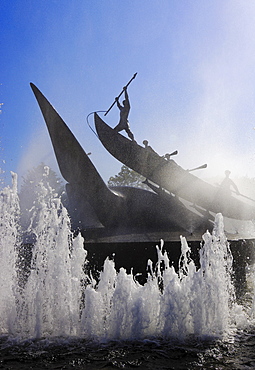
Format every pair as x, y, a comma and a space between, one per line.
9, 207
58, 299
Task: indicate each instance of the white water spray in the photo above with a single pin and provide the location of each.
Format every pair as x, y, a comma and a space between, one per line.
53, 300
9, 241
191, 302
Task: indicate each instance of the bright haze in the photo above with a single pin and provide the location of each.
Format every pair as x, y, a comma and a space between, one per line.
194, 91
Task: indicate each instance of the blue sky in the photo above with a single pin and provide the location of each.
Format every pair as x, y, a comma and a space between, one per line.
195, 88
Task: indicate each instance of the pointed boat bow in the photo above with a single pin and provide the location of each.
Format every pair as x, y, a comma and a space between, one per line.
75, 166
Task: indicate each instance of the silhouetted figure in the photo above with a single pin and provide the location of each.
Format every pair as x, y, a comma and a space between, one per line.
148, 147
124, 112
167, 156
227, 184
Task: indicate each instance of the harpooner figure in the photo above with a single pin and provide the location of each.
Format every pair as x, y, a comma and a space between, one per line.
124, 112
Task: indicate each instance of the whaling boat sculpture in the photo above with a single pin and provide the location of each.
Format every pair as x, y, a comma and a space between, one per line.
120, 209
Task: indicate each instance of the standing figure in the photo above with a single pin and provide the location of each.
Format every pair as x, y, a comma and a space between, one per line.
124, 112
226, 185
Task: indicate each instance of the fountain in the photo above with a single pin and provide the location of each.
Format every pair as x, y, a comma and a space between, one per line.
60, 298
127, 222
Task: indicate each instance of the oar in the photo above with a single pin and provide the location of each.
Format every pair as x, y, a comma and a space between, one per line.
129, 82
241, 195
244, 196
174, 153
198, 168
167, 155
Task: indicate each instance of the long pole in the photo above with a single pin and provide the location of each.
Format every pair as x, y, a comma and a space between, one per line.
129, 82
242, 195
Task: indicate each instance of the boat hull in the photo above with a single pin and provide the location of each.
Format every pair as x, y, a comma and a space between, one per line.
170, 176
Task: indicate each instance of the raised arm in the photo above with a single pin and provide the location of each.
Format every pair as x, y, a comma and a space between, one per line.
126, 96
118, 103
